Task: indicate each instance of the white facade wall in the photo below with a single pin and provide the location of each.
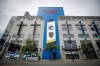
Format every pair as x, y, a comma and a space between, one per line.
26, 30
73, 22
62, 20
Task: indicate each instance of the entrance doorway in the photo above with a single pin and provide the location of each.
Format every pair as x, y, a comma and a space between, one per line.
54, 55
52, 49
14, 47
90, 54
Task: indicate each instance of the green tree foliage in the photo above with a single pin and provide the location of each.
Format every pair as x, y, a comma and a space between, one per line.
51, 47
85, 47
29, 46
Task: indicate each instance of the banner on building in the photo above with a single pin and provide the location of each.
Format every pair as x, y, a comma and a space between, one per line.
51, 37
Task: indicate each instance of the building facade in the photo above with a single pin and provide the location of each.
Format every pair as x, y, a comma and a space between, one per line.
68, 33
77, 36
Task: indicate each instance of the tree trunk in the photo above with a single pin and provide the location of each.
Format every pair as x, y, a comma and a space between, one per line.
87, 57
51, 55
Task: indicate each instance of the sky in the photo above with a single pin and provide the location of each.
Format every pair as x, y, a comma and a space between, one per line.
9, 8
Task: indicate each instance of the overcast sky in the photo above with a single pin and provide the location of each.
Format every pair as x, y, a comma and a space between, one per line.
9, 8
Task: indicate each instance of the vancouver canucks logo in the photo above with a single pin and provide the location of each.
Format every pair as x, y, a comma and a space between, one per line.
51, 34
51, 27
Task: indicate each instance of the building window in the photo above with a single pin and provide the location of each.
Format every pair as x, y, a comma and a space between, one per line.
98, 28
76, 24
30, 35
66, 35
64, 28
69, 56
37, 35
98, 44
80, 35
69, 25
95, 35
72, 45
92, 29
70, 28
14, 35
78, 28
17, 42
36, 43
36, 25
87, 35
72, 35
21, 36
84, 28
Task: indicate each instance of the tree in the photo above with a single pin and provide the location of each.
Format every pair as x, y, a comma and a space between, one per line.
29, 46
85, 48
51, 47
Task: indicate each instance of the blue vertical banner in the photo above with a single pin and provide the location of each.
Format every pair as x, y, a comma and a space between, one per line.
50, 14
81, 26
96, 29
82, 29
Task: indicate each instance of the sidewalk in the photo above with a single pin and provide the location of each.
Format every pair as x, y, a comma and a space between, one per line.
70, 60
76, 60
25, 62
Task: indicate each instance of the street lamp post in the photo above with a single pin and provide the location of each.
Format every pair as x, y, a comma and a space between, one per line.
39, 58
62, 53
79, 51
69, 41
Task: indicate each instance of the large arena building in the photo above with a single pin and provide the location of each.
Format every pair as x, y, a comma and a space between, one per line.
52, 26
